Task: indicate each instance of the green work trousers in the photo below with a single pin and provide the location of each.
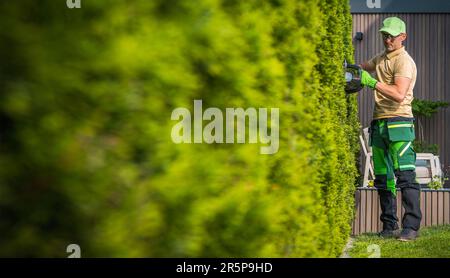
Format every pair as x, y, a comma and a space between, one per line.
394, 162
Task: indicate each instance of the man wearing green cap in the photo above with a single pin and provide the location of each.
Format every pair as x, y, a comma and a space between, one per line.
392, 130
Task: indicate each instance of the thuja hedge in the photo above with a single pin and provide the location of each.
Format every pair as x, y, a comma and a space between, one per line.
86, 153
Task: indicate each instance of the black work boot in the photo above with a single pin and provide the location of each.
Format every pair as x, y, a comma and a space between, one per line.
388, 233
408, 235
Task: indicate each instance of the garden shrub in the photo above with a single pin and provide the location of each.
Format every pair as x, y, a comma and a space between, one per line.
86, 153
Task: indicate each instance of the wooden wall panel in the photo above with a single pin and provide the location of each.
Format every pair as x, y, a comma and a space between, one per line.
434, 205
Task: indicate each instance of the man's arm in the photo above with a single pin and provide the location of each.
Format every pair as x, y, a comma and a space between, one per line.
396, 92
367, 66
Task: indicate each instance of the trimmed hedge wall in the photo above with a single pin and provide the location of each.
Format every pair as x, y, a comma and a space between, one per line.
86, 153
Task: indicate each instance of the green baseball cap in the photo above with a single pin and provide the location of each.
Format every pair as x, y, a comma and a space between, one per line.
394, 26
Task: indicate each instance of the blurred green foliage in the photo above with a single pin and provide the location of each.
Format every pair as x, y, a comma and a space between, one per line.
423, 109
424, 147
86, 155
426, 108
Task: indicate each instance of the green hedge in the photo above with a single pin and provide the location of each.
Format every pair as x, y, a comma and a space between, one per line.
86, 153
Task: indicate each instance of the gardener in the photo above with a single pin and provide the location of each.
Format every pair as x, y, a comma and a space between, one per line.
392, 130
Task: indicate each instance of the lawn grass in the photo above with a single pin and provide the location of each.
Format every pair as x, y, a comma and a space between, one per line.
433, 242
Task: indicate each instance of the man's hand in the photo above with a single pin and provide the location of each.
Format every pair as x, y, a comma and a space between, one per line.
368, 80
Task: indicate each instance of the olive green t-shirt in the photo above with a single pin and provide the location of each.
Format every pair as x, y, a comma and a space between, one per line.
389, 65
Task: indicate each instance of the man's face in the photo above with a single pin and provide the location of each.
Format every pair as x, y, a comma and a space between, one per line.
392, 43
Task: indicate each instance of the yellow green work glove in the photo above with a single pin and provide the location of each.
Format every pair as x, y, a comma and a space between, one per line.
368, 80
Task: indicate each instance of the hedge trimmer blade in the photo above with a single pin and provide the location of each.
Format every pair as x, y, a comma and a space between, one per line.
352, 78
